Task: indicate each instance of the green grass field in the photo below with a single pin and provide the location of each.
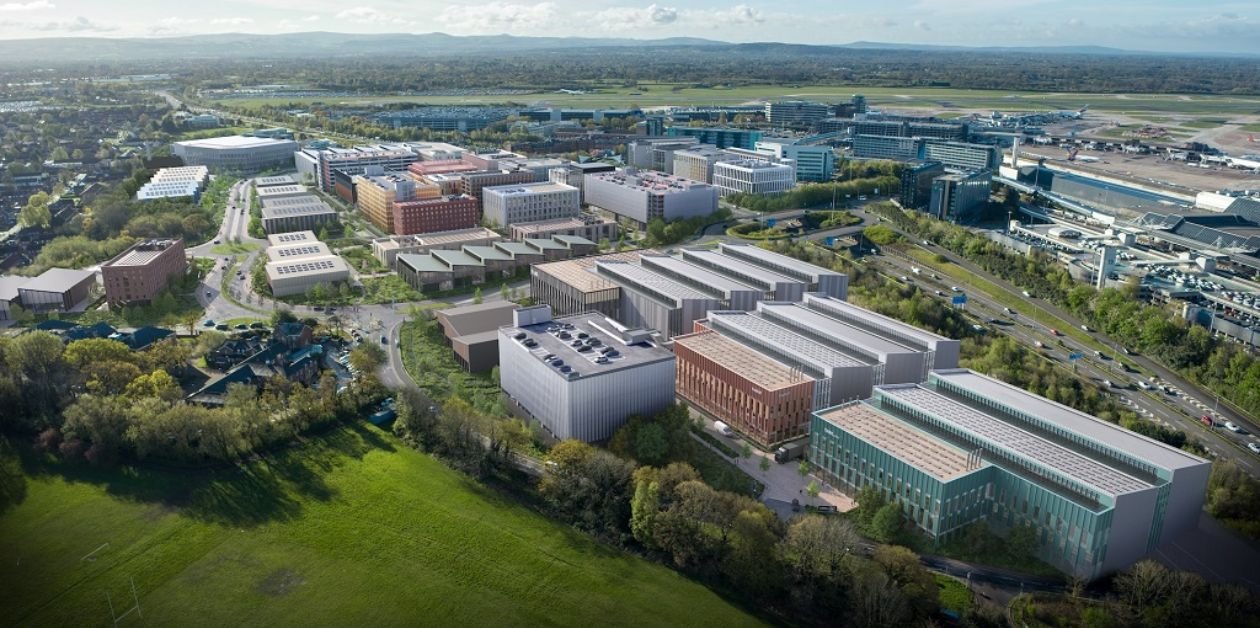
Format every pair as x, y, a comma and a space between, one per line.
664, 94
352, 528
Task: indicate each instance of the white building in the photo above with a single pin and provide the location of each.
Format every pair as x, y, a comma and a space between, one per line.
697, 163
582, 376
299, 261
645, 195
296, 213
237, 153
318, 164
753, 176
506, 205
813, 163
183, 182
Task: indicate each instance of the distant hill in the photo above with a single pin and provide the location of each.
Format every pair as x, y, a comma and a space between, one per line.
55, 50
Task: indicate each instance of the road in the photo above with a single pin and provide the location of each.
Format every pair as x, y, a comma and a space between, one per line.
1180, 410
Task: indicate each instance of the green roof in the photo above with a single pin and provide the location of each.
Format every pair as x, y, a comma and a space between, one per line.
456, 258
488, 253
543, 244
572, 240
423, 263
517, 248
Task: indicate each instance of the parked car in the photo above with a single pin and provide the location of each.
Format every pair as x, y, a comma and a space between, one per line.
723, 429
209, 323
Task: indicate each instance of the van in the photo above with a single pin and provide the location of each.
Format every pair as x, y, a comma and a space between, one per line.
723, 429
1085, 328
1027, 294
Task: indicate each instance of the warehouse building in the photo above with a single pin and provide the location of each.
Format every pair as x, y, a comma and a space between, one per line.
280, 179
299, 262
446, 269
472, 331
296, 237
761, 398
582, 376
56, 290
963, 447
273, 192
654, 301
305, 212
731, 294
817, 278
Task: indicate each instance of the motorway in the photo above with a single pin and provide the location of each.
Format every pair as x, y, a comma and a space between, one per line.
1180, 410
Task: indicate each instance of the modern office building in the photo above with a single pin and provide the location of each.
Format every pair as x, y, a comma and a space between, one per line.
386, 249
508, 205
589, 226
644, 195
273, 192
434, 215
652, 300
306, 212
237, 154
657, 153
720, 137
574, 174
752, 176
838, 376
582, 376
181, 182
962, 155
795, 113
377, 196
136, 276
299, 262
472, 331
916, 183
960, 197
816, 278
697, 163
472, 183
761, 398
56, 289
319, 164
573, 287
909, 127
462, 119
886, 147
812, 163
963, 447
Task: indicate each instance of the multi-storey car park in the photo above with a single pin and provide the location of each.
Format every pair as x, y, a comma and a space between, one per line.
582, 376
963, 447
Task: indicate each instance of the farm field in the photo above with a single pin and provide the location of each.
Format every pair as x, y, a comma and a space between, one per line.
939, 99
350, 528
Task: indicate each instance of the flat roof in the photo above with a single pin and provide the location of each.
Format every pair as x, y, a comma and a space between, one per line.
57, 280
294, 199
747, 269
318, 208
308, 266
301, 250
234, 141
704, 276
788, 342
999, 434
281, 179
143, 253
743, 361
597, 327
838, 331
1135, 444
459, 235
557, 224
525, 189
901, 440
9, 285
291, 237
477, 318
770, 257
280, 190
647, 280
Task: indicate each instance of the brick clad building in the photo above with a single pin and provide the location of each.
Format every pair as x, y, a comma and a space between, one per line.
138, 274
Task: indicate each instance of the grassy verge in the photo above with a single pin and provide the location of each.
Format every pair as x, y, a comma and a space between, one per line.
955, 596
234, 248
722, 474
428, 360
350, 528
716, 442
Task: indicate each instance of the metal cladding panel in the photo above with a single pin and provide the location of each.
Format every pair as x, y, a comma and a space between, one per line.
850, 383
789, 292
1130, 529
1185, 501
746, 300
904, 368
601, 403
947, 353
531, 382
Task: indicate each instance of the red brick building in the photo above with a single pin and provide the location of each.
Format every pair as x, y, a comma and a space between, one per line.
431, 215
763, 399
138, 274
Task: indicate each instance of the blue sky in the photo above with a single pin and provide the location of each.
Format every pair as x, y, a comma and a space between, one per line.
1167, 25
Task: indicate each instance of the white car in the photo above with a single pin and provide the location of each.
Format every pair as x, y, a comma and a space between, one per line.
1254, 447
1233, 427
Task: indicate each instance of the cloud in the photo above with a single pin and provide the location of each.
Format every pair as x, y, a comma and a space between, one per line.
34, 5
1076, 22
233, 21
741, 14
363, 15
923, 26
311, 18
623, 19
500, 17
79, 24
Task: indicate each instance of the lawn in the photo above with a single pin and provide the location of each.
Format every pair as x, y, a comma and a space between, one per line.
955, 595
234, 248
352, 528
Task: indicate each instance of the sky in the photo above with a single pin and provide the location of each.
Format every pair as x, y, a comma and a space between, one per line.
1159, 25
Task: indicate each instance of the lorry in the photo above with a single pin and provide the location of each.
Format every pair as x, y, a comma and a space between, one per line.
723, 429
790, 451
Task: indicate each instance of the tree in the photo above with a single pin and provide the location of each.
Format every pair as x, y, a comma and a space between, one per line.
651, 445
156, 385
812, 490
764, 465
366, 357
36, 212
644, 508
886, 523
869, 500
745, 451
915, 582
477, 296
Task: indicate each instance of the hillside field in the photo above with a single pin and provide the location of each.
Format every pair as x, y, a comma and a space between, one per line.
349, 528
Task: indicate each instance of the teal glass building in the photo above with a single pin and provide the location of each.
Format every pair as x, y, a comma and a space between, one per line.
963, 447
